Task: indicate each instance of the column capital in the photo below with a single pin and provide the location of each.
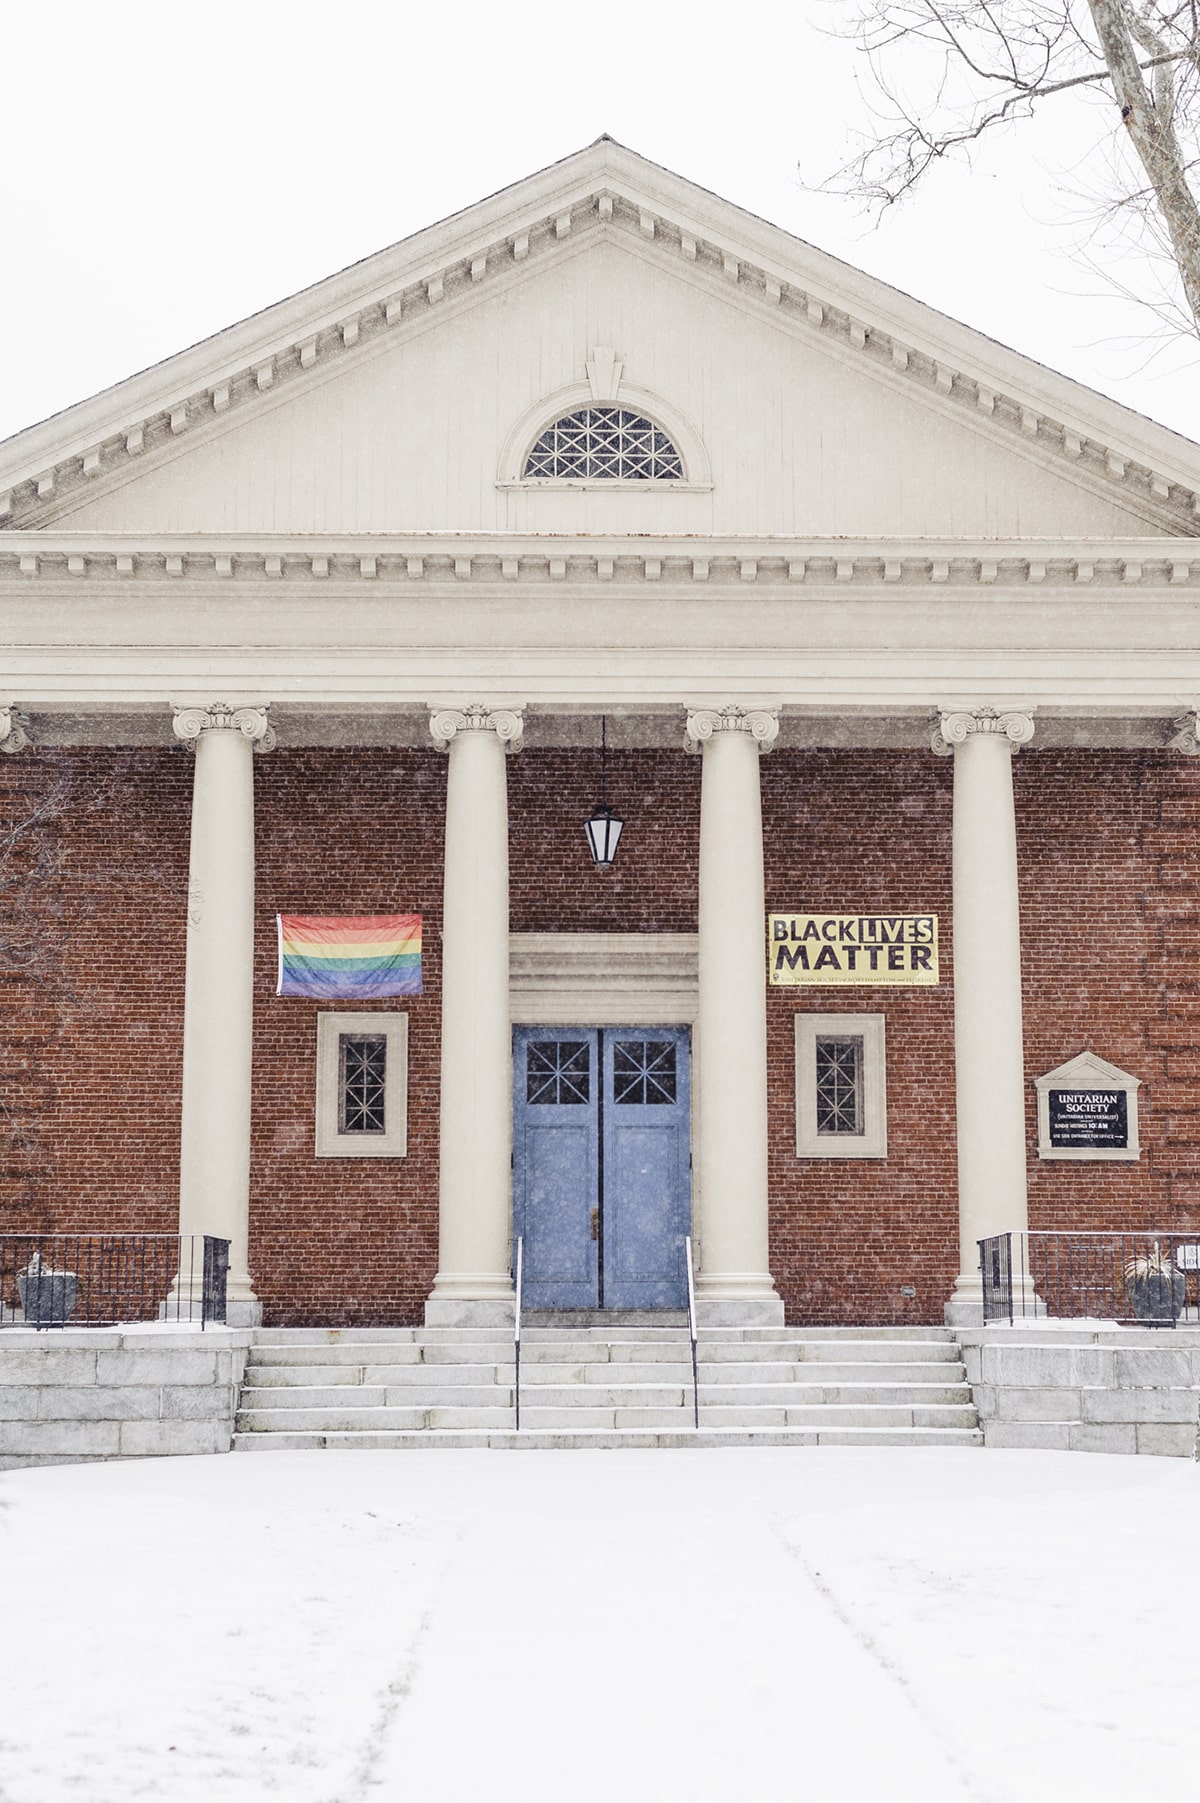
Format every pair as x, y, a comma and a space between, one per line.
190, 723
13, 734
957, 726
1185, 738
760, 722
508, 724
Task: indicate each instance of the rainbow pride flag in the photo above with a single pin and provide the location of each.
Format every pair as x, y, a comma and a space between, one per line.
347, 958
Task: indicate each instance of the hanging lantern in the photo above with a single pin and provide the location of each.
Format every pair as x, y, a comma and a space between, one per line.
603, 829
604, 825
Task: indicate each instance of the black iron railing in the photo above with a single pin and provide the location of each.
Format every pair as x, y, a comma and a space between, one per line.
1134, 1279
110, 1279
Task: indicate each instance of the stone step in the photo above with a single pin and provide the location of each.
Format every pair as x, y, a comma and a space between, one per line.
397, 1352
803, 1372
729, 1398
891, 1363
537, 1418
387, 1420
284, 1376
526, 1441
617, 1352
943, 1335
613, 1329
586, 1383
615, 1334
367, 1396
679, 1371
571, 1350
825, 1415
602, 1320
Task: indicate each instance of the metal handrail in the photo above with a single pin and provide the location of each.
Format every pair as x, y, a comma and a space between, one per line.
111, 1279
517, 1329
1136, 1278
687, 1246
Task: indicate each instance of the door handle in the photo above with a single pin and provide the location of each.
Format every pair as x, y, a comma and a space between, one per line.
595, 1223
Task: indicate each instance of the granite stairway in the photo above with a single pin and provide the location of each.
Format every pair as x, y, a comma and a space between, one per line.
624, 1383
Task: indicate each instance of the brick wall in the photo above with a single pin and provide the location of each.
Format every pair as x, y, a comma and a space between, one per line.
1088, 826
652, 886
343, 1240
90, 1048
92, 1015
850, 832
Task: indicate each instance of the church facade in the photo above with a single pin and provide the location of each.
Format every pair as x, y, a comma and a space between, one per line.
882, 641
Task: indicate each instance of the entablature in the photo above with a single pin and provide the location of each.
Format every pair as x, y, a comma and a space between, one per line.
404, 725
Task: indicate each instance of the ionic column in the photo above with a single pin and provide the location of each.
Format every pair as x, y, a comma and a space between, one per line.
214, 1174
473, 1282
13, 736
734, 1282
989, 1052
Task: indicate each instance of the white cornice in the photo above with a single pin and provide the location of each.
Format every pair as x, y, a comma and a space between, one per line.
1116, 567
605, 188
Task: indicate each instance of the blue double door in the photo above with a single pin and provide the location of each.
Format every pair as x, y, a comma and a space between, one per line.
602, 1165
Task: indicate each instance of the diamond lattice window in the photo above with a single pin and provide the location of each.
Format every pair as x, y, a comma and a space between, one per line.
840, 1085
604, 444
362, 1084
558, 1072
643, 1071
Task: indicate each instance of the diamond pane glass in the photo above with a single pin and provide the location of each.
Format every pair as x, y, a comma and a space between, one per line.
840, 1085
362, 1073
606, 444
644, 1071
558, 1071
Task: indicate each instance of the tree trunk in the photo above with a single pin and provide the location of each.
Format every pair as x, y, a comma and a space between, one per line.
1153, 134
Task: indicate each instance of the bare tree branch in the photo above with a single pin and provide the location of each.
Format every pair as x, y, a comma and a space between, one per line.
948, 73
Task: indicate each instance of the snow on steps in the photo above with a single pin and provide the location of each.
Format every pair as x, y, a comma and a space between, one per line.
625, 1383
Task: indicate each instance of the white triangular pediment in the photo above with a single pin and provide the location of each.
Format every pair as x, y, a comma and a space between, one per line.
383, 398
1087, 1071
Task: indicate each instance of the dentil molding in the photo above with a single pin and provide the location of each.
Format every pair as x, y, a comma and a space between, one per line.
1109, 568
190, 723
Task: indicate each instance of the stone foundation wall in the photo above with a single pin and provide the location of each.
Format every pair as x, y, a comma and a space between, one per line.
1115, 1389
71, 1397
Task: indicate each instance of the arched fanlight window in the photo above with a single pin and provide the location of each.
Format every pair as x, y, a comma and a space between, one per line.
604, 444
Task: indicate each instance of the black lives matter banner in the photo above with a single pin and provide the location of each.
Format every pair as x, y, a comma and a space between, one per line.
853, 949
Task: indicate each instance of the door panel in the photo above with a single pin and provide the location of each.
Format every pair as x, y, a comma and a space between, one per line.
647, 1166
556, 1163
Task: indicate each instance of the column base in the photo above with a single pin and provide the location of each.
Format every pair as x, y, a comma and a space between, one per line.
471, 1299
185, 1304
738, 1299
441, 1312
965, 1307
243, 1311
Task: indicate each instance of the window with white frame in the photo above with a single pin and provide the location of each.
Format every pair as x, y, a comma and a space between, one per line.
362, 1085
841, 1086
604, 443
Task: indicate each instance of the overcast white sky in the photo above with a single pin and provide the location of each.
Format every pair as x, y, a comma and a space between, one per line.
169, 170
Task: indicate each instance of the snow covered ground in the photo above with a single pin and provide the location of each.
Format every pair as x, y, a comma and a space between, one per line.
832, 1624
